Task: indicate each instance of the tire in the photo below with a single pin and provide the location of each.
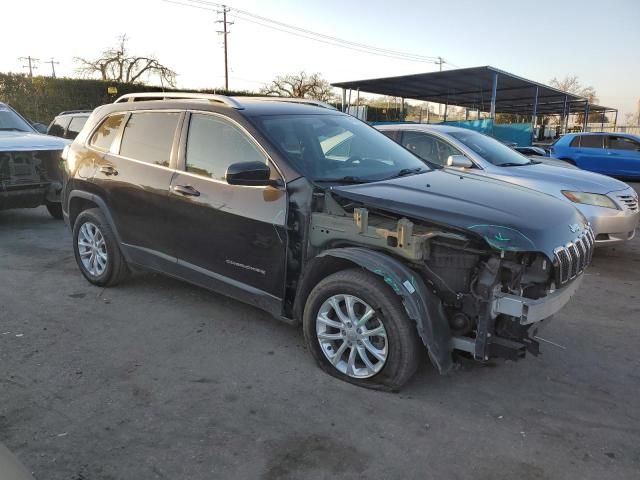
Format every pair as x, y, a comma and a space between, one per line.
109, 266
54, 209
399, 345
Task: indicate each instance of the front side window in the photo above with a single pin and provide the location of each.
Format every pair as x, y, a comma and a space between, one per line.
148, 137
590, 141
622, 143
75, 126
214, 143
58, 126
490, 149
337, 148
107, 132
428, 147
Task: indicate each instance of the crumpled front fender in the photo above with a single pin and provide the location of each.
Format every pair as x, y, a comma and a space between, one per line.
421, 304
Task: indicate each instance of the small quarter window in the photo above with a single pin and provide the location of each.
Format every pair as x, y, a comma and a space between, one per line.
106, 133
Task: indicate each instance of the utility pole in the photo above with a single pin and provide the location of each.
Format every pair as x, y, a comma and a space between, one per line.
225, 32
440, 62
53, 66
32, 64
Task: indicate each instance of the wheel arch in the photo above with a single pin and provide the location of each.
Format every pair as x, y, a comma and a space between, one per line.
80, 200
422, 306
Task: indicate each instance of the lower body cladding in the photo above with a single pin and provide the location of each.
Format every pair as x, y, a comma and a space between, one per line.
510, 325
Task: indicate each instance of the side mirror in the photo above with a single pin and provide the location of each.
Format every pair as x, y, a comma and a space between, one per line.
459, 161
250, 173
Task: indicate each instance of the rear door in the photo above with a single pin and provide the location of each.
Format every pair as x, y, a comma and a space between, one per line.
623, 155
227, 236
590, 154
134, 176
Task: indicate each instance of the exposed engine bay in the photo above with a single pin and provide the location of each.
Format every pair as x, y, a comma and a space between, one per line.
475, 283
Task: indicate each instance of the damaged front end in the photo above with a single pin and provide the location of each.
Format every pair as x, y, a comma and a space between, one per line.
492, 300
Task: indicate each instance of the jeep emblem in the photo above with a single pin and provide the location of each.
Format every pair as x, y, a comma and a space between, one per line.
574, 228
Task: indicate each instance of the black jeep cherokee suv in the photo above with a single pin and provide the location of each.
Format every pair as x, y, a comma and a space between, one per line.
315, 217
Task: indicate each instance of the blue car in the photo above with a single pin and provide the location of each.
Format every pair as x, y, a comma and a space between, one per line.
615, 154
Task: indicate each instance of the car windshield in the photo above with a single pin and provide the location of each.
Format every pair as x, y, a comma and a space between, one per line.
338, 148
490, 149
11, 121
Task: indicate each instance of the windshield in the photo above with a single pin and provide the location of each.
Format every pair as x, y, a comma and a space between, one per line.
10, 120
490, 149
338, 148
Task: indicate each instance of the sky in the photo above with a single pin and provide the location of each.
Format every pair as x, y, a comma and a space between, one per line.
595, 40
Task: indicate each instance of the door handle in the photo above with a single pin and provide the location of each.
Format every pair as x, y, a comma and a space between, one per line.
108, 170
187, 190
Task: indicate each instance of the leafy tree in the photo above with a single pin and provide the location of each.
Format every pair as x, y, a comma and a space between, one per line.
118, 65
300, 85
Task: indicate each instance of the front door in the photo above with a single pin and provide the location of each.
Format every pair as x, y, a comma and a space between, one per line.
590, 154
623, 156
227, 235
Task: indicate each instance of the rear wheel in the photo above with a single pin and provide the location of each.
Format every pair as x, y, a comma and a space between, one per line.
358, 331
54, 209
96, 250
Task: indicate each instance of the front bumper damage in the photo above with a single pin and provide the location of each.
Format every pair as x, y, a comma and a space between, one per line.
519, 320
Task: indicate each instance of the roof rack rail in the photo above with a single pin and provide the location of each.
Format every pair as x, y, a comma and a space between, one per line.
69, 112
306, 101
133, 97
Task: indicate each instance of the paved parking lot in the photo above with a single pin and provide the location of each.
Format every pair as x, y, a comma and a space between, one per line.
159, 379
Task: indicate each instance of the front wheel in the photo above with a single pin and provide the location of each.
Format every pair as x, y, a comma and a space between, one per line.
358, 331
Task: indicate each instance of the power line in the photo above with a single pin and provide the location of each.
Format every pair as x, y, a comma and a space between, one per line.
31, 64
309, 34
225, 33
53, 66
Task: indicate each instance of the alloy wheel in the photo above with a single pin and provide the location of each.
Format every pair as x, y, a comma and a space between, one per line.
92, 249
352, 336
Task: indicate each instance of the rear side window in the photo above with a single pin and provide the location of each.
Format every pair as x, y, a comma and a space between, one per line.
575, 142
622, 143
107, 132
148, 137
428, 147
591, 141
75, 126
213, 144
58, 126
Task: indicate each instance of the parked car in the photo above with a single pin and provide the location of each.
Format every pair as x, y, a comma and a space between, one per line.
372, 250
610, 205
615, 154
68, 124
10, 466
30, 165
531, 150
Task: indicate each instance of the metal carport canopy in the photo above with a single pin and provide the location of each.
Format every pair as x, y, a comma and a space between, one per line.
472, 88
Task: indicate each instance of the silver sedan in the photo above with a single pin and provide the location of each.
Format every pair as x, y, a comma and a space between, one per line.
609, 204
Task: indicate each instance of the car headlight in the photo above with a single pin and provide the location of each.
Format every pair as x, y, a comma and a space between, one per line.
590, 199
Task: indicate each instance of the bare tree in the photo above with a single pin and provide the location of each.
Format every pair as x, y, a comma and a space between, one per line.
300, 85
119, 65
571, 84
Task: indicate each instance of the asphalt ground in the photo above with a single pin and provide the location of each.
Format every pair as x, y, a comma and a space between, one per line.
157, 379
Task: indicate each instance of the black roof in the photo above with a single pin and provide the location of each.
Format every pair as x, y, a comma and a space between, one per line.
472, 88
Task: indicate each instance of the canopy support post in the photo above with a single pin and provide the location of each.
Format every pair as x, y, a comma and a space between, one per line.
494, 94
534, 116
585, 121
615, 121
564, 114
446, 107
344, 99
